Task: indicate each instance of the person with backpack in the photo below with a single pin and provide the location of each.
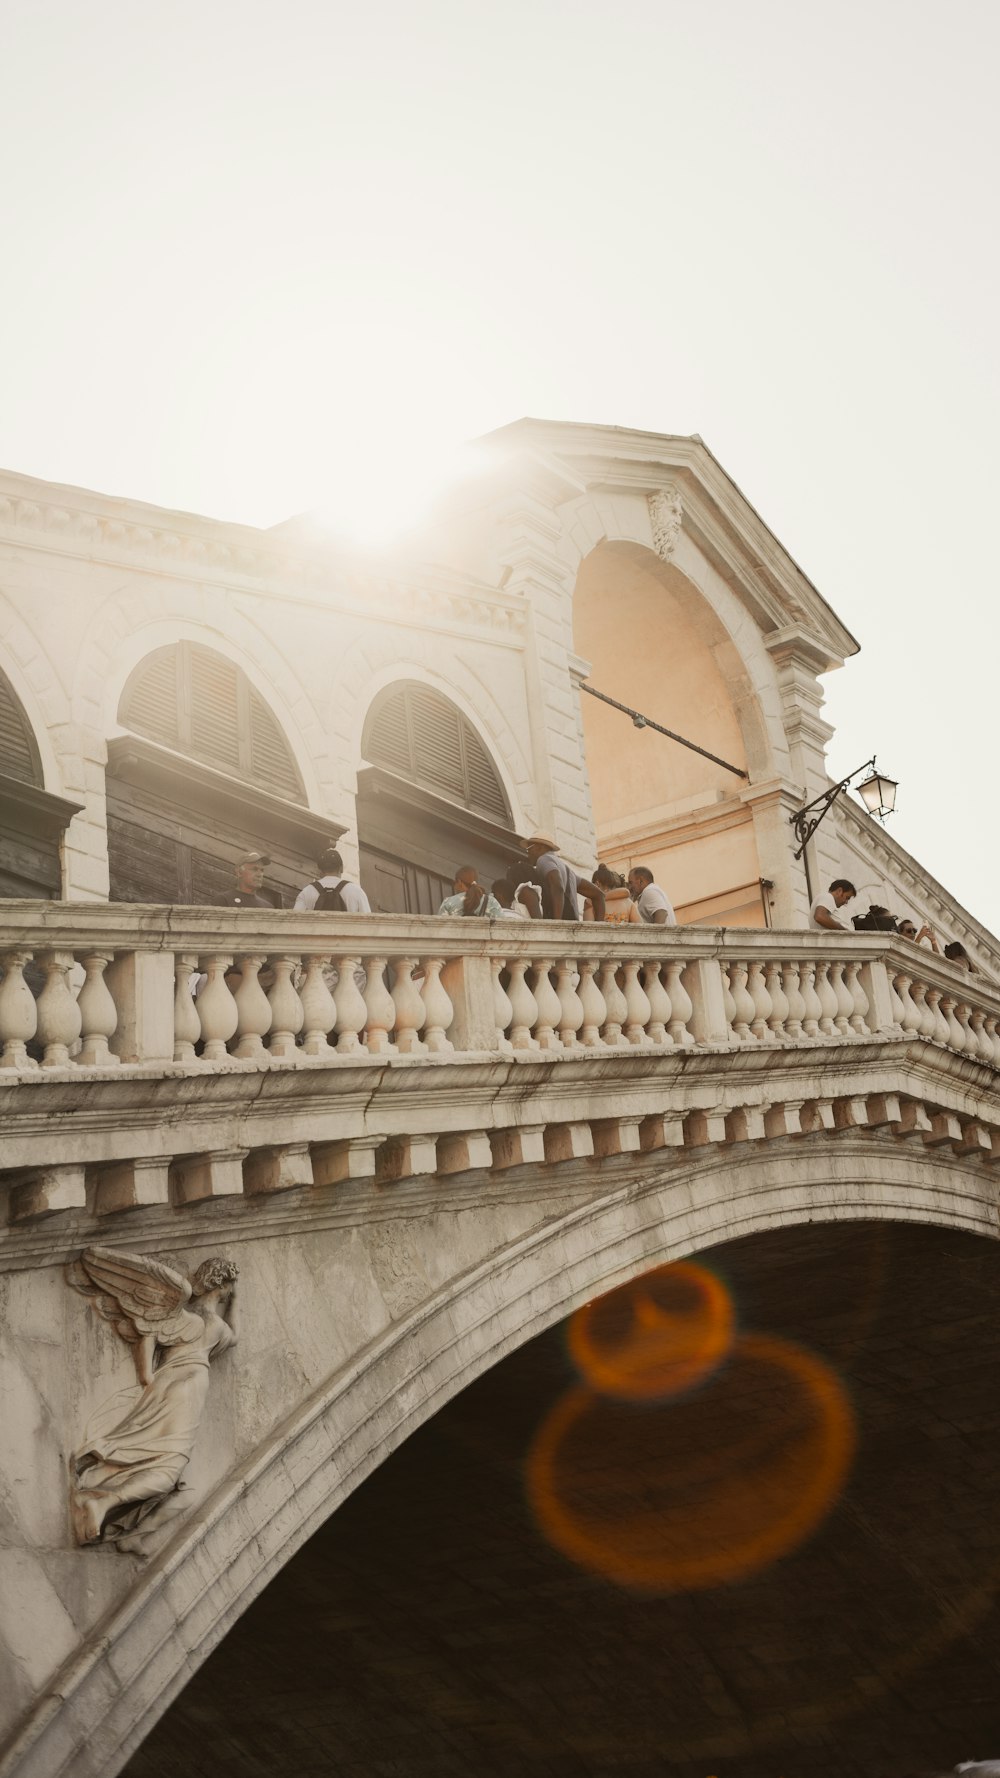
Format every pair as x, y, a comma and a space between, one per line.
330, 892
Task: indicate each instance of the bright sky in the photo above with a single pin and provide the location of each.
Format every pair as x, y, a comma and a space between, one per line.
263, 257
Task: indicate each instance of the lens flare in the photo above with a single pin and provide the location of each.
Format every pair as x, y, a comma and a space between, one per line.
656, 1336
705, 1489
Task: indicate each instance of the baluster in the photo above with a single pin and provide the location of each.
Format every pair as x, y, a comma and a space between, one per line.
351, 1009
956, 1036
941, 1031
844, 999
811, 1001
595, 1010
98, 1013
438, 1010
791, 982
729, 1004
503, 1012
859, 1017
659, 1004
319, 1009
984, 1047
253, 1013
187, 1024
18, 1013
524, 1012
216, 1008
616, 1008
762, 1007
380, 1018
926, 1027
681, 1006
991, 1033
779, 1001
59, 1020
827, 1000
547, 1002
743, 1007
963, 1018
570, 1004
409, 1008
638, 1010
906, 1012
287, 1016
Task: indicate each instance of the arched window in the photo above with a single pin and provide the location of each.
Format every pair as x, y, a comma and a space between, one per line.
32, 819
18, 753
201, 704
418, 734
203, 775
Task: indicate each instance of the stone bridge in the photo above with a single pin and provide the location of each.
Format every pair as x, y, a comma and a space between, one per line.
423, 1142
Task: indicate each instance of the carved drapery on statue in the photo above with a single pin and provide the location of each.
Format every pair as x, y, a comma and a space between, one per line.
126, 1475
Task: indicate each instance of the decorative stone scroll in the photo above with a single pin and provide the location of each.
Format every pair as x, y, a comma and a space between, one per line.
125, 1476
665, 515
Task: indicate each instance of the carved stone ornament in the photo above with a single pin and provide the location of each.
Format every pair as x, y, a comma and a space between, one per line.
665, 515
126, 1474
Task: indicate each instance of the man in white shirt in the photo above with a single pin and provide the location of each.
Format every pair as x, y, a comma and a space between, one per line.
331, 876
825, 908
654, 906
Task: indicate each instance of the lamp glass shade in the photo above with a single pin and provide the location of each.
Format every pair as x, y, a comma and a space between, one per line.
878, 793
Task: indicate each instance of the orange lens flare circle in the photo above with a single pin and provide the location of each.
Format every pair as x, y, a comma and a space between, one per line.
705, 1490
656, 1337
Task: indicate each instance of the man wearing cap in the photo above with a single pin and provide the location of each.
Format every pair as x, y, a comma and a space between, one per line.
249, 877
560, 886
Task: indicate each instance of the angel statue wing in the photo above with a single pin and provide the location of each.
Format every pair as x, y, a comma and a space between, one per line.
138, 1296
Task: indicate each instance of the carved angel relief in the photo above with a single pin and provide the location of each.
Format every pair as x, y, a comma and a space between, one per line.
127, 1473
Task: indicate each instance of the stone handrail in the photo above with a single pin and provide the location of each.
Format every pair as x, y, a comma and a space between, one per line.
115, 985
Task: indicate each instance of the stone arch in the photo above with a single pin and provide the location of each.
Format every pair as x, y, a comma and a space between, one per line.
374, 664
106, 1699
136, 622
43, 700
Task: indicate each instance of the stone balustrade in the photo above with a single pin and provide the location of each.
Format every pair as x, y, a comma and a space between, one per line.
153, 1058
116, 986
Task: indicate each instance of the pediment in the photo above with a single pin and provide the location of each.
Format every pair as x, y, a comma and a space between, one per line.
559, 463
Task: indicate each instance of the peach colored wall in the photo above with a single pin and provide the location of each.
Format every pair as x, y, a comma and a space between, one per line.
654, 644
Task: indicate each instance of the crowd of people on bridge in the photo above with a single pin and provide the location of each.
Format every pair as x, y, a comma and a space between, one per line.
827, 908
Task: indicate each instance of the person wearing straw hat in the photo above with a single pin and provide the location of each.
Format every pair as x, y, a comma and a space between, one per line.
560, 885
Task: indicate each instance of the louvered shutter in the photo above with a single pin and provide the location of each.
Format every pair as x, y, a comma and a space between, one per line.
151, 704
388, 740
18, 753
271, 761
214, 709
485, 790
417, 733
437, 742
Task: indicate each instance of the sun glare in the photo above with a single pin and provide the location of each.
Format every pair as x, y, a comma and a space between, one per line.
375, 509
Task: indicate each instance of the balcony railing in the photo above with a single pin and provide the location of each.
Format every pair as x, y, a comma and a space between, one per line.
129, 988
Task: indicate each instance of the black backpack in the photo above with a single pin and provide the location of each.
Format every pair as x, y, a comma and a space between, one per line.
330, 900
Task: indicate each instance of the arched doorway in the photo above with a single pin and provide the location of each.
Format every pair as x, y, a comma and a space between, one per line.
655, 644
32, 820
203, 774
429, 800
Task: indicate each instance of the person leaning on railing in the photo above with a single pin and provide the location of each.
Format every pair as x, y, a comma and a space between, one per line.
907, 929
652, 901
826, 907
560, 885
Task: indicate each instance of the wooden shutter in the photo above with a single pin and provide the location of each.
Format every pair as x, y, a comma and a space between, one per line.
199, 703
271, 760
151, 705
420, 735
18, 752
214, 709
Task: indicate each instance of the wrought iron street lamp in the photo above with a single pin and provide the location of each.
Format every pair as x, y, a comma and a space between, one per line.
877, 792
